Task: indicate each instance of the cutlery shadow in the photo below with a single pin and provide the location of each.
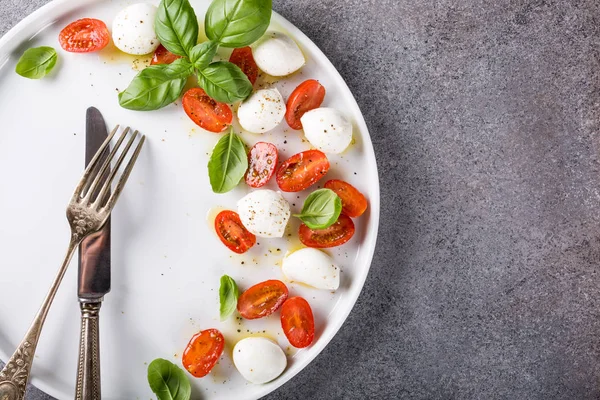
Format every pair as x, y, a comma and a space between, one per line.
196, 392
129, 218
5, 343
130, 211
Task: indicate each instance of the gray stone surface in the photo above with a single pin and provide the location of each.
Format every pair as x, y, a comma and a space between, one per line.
484, 117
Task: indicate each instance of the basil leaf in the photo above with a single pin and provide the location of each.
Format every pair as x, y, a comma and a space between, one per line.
228, 163
224, 82
237, 23
203, 53
37, 62
156, 86
228, 297
176, 26
321, 209
168, 381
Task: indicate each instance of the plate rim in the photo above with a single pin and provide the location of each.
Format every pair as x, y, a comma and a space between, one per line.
372, 226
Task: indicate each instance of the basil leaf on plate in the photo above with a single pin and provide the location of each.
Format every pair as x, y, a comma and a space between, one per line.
224, 82
37, 62
321, 209
156, 86
176, 26
202, 54
228, 163
228, 297
237, 23
168, 381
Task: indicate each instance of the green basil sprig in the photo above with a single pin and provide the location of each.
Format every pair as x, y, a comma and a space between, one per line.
228, 163
228, 297
321, 209
168, 381
156, 86
37, 62
203, 53
225, 82
228, 23
176, 26
237, 23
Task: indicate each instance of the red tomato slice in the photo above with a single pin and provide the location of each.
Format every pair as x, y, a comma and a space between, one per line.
233, 233
262, 299
262, 160
243, 58
203, 352
307, 96
205, 112
163, 56
84, 36
354, 202
302, 170
337, 234
298, 322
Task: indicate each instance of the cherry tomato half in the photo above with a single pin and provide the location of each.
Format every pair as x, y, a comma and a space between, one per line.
337, 234
302, 170
262, 160
354, 202
84, 36
163, 56
298, 322
262, 299
205, 112
233, 233
307, 96
243, 58
203, 352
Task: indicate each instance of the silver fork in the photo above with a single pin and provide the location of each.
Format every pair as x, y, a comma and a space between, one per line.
87, 212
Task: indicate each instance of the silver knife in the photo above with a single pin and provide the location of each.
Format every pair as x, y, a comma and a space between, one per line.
94, 278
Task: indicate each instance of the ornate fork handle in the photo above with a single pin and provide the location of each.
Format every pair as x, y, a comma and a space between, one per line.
87, 212
88, 369
15, 375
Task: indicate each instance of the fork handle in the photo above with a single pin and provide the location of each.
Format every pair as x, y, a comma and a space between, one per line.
88, 369
15, 374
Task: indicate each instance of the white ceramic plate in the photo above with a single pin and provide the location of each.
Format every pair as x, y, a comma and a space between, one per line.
167, 260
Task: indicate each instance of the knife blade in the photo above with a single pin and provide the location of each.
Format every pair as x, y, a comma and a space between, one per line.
94, 252
94, 278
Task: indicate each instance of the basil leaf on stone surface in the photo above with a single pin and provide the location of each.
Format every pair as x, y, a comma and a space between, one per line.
176, 26
228, 163
228, 297
37, 62
237, 23
156, 86
224, 82
168, 381
321, 209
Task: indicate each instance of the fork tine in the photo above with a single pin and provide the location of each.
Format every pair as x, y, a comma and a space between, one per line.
119, 188
93, 187
106, 185
128, 168
83, 183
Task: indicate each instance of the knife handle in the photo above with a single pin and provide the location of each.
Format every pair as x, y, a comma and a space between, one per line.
88, 368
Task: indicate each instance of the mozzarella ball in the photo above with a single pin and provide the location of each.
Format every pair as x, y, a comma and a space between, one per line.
258, 359
327, 129
277, 54
262, 111
265, 213
312, 267
133, 29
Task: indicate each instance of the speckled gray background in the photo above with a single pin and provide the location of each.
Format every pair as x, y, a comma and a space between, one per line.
484, 116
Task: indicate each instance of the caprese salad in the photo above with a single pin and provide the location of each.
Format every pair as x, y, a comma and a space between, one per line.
170, 33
